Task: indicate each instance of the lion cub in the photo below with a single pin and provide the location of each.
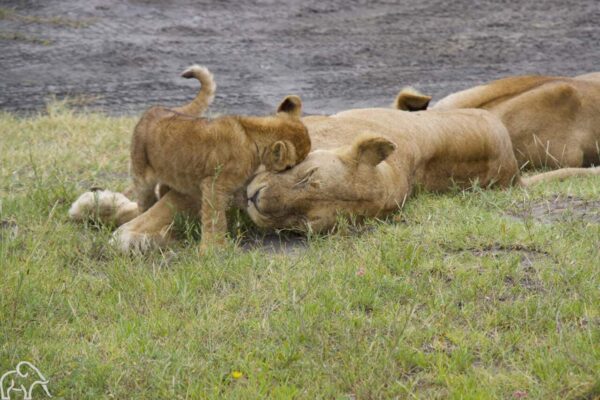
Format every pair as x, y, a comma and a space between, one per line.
210, 159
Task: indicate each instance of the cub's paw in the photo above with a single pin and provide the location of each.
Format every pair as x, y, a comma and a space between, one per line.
128, 240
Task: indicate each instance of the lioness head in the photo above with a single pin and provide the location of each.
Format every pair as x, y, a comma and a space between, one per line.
348, 180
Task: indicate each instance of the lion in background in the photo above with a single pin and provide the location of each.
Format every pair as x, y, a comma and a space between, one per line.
553, 122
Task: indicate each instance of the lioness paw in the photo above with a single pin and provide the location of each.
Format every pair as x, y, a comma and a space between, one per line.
104, 206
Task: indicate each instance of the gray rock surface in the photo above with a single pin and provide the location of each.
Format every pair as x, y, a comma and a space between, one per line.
121, 56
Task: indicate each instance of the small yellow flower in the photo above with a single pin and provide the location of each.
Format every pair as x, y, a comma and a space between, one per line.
236, 374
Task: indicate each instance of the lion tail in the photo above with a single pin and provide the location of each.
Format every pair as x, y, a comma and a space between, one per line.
206, 94
558, 175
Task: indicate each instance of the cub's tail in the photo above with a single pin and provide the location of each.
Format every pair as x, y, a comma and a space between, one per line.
558, 175
206, 94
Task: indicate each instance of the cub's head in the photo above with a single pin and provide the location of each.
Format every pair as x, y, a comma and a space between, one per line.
349, 180
289, 140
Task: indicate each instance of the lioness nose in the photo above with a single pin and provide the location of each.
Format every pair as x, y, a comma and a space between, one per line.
254, 197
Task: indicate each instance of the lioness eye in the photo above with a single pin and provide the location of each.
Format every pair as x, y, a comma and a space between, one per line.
307, 177
303, 181
287, 168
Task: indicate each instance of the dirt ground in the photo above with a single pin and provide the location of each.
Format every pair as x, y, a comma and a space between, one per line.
121, 56
561, 209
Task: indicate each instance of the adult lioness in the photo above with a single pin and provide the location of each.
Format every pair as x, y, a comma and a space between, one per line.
365, 162
552, 121
366, 177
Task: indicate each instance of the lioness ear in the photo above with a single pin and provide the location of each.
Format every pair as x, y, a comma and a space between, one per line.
291, 105
371, 149
410, 99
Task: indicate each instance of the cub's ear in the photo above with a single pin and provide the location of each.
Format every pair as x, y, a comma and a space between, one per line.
410, 99
291, 105
278, 157
278, 150
371, 149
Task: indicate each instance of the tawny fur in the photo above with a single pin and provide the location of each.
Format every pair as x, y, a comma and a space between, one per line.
373, 175
104, 206
410, 99
205, 96
210, 159
367, 163
552, 121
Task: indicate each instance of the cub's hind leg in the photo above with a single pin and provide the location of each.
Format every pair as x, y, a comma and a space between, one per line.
140, 169
145, 191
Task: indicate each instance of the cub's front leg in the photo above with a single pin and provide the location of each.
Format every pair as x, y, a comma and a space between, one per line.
154, 228
215, 201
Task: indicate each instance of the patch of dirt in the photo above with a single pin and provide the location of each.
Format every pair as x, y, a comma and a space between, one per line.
561, 209
9, 229
125, 55
529, 282
528, 257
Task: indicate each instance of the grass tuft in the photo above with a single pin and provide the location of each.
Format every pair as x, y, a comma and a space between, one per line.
18, 36
57, 21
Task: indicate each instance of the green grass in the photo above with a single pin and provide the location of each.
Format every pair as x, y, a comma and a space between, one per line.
56, 21
24, 38
453, 297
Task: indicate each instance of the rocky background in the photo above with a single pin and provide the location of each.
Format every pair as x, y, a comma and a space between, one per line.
120, 56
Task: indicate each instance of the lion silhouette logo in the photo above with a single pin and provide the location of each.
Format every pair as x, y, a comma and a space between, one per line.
23, 380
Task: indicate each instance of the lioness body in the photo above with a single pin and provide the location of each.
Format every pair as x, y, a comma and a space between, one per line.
363, 175
552, 121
